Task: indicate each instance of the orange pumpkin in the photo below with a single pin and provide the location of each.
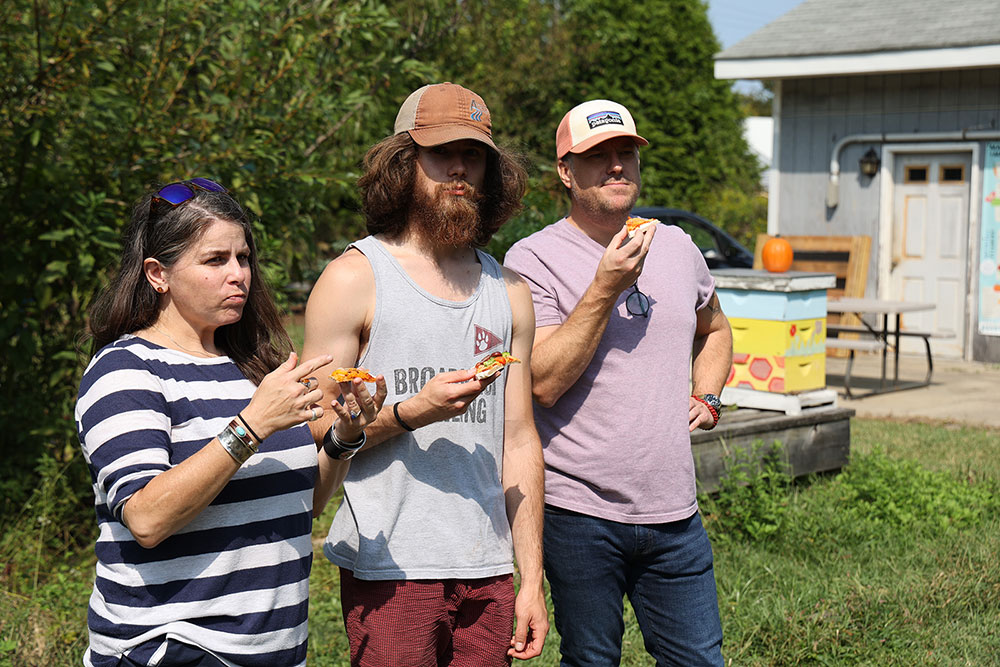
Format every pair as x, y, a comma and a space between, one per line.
777, 255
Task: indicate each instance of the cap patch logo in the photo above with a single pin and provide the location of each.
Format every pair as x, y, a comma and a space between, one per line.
604, 118
485, 340
475, 113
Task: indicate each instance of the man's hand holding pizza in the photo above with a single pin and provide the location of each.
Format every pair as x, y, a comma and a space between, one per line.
622, 261
446, 395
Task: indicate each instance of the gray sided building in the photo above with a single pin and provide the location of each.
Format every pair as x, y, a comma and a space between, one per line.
913, 87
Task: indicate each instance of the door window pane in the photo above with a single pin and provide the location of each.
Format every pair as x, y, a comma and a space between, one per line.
915, 174
952, 173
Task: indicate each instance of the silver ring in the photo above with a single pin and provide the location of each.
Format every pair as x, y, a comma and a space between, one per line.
355, 415
314, 415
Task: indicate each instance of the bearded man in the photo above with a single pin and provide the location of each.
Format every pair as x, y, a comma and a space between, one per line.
448, 486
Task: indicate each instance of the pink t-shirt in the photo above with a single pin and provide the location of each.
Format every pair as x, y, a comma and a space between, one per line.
616, 443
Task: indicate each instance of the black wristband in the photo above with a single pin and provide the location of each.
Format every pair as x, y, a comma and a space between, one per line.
395, 413
336, 448
242, 419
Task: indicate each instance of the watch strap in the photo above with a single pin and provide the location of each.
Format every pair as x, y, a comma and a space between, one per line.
712, 402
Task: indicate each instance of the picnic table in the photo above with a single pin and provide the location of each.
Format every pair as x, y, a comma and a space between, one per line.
884, 334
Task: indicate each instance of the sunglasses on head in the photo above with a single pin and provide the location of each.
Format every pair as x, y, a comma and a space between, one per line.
177, 193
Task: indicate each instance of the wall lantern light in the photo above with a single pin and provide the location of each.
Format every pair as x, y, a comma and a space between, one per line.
869, 163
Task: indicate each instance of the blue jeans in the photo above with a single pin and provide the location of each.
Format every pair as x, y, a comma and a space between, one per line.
666, 571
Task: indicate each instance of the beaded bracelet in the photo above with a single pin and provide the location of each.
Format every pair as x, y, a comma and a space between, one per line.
713, 411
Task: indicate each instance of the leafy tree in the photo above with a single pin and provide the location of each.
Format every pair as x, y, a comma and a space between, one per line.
278, 100
655, 57
757, 101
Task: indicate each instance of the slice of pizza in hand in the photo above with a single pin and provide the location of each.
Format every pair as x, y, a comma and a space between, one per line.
635, 224
494, 364
348, 374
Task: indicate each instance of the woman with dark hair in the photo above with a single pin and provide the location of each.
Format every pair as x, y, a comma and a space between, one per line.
192, 415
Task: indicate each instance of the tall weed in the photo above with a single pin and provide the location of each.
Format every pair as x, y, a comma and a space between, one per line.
753, 496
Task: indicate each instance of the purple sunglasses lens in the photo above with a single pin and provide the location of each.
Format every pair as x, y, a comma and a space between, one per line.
176, 193
206, 184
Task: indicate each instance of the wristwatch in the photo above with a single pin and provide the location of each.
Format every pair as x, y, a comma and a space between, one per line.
714, 406
712, 400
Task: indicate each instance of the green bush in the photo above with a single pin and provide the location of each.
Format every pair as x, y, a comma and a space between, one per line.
752, 500
756, 500
901, 495
278, 100
742, 214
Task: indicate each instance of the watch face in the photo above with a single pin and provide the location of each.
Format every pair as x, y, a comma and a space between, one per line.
712, 400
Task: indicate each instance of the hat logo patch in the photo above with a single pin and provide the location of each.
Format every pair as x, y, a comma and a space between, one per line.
476, 113
600, 118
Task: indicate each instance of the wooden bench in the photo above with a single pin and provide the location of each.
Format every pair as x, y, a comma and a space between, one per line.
846, 257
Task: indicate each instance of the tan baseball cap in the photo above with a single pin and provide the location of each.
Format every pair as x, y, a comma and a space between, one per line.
443, 112
588, 124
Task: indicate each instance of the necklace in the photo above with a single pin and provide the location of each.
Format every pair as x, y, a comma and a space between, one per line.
200, 353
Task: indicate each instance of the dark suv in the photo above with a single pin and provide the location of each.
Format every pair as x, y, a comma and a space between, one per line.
721, 251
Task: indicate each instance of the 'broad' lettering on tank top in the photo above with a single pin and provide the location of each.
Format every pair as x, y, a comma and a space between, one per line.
409, 381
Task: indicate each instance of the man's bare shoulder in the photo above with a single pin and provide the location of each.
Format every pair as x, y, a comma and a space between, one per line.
341, 299
512, 278
350, 270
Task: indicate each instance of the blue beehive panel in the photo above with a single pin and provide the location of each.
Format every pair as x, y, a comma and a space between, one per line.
782, 306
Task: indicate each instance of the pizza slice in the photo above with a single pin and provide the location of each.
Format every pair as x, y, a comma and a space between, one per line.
348, 374
493, 364
635, 224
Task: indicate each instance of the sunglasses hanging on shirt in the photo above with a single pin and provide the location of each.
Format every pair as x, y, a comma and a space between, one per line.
637, 303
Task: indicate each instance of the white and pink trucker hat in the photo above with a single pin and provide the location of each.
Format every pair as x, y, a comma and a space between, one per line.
588, 124
443, 112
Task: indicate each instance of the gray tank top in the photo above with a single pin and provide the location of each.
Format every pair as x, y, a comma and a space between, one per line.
429, 504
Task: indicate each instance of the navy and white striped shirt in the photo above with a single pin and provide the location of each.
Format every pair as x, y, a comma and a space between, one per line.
235, 581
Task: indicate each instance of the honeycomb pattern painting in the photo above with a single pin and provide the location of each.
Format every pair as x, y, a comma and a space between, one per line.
777, 373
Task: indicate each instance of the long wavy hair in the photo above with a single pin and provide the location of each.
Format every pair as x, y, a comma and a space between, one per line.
389, 177
258, 342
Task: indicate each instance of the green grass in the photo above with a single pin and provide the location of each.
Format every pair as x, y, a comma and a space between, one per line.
893, 562
971, 452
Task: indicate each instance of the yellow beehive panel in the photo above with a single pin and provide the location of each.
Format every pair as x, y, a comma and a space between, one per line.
777, 373
776, 338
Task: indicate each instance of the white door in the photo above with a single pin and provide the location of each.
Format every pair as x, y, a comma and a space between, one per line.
930, 246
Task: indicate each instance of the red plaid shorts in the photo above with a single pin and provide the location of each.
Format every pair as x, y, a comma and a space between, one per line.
426, 623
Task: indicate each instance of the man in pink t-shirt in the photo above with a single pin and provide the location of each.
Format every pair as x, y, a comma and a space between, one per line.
626, 326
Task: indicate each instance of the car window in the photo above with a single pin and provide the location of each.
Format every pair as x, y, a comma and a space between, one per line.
701, 237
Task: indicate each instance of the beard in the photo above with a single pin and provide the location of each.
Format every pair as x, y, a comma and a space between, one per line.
592, 201
448, 220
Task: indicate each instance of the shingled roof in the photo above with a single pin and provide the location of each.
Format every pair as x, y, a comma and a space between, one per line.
831, 27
